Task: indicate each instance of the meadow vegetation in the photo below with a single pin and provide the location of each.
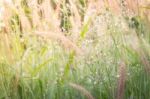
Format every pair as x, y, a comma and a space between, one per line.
74, 49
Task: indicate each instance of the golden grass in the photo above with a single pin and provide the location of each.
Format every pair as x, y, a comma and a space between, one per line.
82, 90
46, 18
51, 16
121, 80
45, 22
64, 41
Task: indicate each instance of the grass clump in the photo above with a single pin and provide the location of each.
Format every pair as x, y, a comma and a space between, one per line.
74, 49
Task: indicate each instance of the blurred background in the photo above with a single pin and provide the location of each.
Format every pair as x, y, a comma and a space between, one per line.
74, 49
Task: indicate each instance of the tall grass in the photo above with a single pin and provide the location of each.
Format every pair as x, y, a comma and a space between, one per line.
74, 49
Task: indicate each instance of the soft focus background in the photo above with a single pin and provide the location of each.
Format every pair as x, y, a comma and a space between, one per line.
74, 49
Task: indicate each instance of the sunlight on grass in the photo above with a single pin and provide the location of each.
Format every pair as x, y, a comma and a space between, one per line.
74, 49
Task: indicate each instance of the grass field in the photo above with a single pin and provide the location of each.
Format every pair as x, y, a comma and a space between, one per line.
74, 49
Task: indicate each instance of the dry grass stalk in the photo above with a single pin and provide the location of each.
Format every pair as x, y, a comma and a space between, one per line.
75, 19
50, 20
7, 50
56, 14
7, 14
47, 10
35, 10
82, 90
134, 5
24, 22
144, 61
141, 53
67, 44
114, 6
121, 80
12, 9
90, 12
131, 4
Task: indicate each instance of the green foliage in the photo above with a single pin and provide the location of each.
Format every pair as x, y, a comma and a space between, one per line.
42, 69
